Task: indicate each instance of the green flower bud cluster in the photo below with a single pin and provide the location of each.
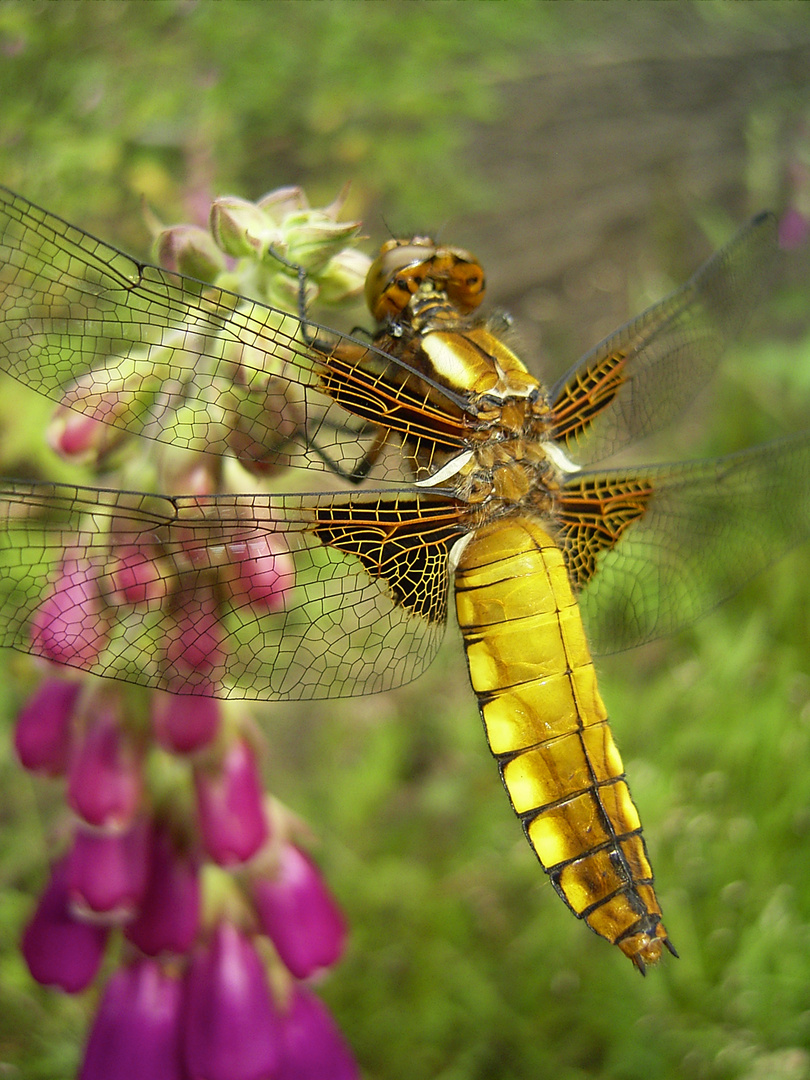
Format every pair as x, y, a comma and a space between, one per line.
259, 249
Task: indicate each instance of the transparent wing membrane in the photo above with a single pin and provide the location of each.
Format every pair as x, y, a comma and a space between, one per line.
241, 596
298, 596
700, 531
644, 374
194, 366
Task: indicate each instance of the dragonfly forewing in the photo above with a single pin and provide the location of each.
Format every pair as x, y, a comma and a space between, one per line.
154, 354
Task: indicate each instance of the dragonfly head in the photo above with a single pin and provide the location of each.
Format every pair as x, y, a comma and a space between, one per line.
403, 267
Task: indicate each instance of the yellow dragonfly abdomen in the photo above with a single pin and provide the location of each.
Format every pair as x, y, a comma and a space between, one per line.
546, 724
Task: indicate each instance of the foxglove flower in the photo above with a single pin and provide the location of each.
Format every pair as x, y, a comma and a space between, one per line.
60, 948
169, 914
265, 571
70, 626
194, 647
313, 1048
230, 805
218, 1020
184, 723
138, 576
105, 777
232, 1030
107, 872
299, 914
42, 735
137, 1031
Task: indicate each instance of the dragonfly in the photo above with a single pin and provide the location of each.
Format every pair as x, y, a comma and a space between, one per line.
430, 456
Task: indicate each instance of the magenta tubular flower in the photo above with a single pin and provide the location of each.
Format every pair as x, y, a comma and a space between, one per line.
137, 576
42, 735
195, 645
230, 804
82, 438
60, 948
91, 418
105, 776
107, 872
137, 1030
265, 572
313, 1048
299, 914
169, 915
232, 1030
70, 626
184, 723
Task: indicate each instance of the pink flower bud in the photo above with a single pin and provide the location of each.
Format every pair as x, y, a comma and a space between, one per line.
137, 1030
187, 472
313, 1047
107, 872
265, 571
281, 202
70, 626
169, 914
184, 723
59, 947
232, 1029
102, 406
138, 577
239, 227
43, 731
105, 778
299, 914
191, 251
794, 229
194, 646
230, 804
81, 438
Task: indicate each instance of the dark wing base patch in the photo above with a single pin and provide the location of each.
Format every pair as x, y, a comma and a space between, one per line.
406, 543
593, 513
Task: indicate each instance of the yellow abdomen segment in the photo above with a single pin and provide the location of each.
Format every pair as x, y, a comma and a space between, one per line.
532, 673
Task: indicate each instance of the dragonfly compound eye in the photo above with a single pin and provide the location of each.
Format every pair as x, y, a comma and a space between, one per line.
403, 267
395, 276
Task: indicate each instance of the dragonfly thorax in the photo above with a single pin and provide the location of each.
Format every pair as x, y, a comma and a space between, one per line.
509, 476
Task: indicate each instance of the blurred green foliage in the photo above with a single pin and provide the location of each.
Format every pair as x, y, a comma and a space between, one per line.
118, 101
463, 964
